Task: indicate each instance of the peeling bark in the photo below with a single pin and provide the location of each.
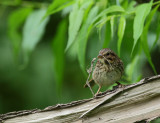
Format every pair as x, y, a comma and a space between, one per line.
133, 103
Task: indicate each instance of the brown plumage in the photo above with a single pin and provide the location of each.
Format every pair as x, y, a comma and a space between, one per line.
108, 69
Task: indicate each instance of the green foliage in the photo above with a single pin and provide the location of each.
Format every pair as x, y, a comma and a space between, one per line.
84, 18
144, 41
75, 21
158, 30
141, 13
107, 34
58, 5
110, 10
130, 70
112, 25
83, 36
74, 38
33, 32
15, 21
121, 29
59, 40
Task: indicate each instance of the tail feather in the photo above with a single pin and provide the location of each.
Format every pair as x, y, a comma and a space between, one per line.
91, 83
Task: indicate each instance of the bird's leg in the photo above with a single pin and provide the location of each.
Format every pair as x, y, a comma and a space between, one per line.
98, 90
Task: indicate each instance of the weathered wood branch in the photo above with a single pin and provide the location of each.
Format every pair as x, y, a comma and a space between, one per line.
136, 102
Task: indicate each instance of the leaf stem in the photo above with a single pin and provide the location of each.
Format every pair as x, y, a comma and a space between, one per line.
158, 2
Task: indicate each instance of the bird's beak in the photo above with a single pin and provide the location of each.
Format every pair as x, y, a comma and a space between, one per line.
100, 56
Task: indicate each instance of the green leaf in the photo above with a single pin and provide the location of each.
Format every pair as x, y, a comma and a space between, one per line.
75, 21
18, 1
157, 31
83, 36
111, 9
106, 20
32, 32
125, 4
107, 34
112, 26
121, 29
58, 45
130, 69
144, 41
141, 13
15, 21
102, 21
85, 16
58, 5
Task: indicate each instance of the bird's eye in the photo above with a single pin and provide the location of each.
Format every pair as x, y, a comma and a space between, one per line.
110, 59
107, 54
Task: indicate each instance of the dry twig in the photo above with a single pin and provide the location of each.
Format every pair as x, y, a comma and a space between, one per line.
90, 72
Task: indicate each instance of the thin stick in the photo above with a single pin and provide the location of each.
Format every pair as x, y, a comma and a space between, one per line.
90, 71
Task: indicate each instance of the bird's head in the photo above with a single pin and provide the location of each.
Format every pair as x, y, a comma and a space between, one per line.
107, 56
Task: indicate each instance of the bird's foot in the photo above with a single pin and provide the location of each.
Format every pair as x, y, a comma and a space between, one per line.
119, 85
97, 94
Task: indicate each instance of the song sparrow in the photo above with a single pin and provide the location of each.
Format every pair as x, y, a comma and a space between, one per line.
108, 69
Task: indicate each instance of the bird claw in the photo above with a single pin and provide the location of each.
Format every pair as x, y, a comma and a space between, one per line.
97, 94
119, 85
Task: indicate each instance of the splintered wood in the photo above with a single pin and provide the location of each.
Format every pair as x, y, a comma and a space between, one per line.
90, 72
138, 102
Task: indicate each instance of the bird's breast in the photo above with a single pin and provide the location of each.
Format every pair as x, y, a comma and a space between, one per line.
104, 75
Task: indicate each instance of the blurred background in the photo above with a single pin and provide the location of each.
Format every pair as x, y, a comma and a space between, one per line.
47, 45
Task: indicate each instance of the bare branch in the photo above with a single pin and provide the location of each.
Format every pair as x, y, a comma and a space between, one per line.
136, 102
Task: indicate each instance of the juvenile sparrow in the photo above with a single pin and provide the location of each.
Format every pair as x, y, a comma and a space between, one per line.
108, 69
